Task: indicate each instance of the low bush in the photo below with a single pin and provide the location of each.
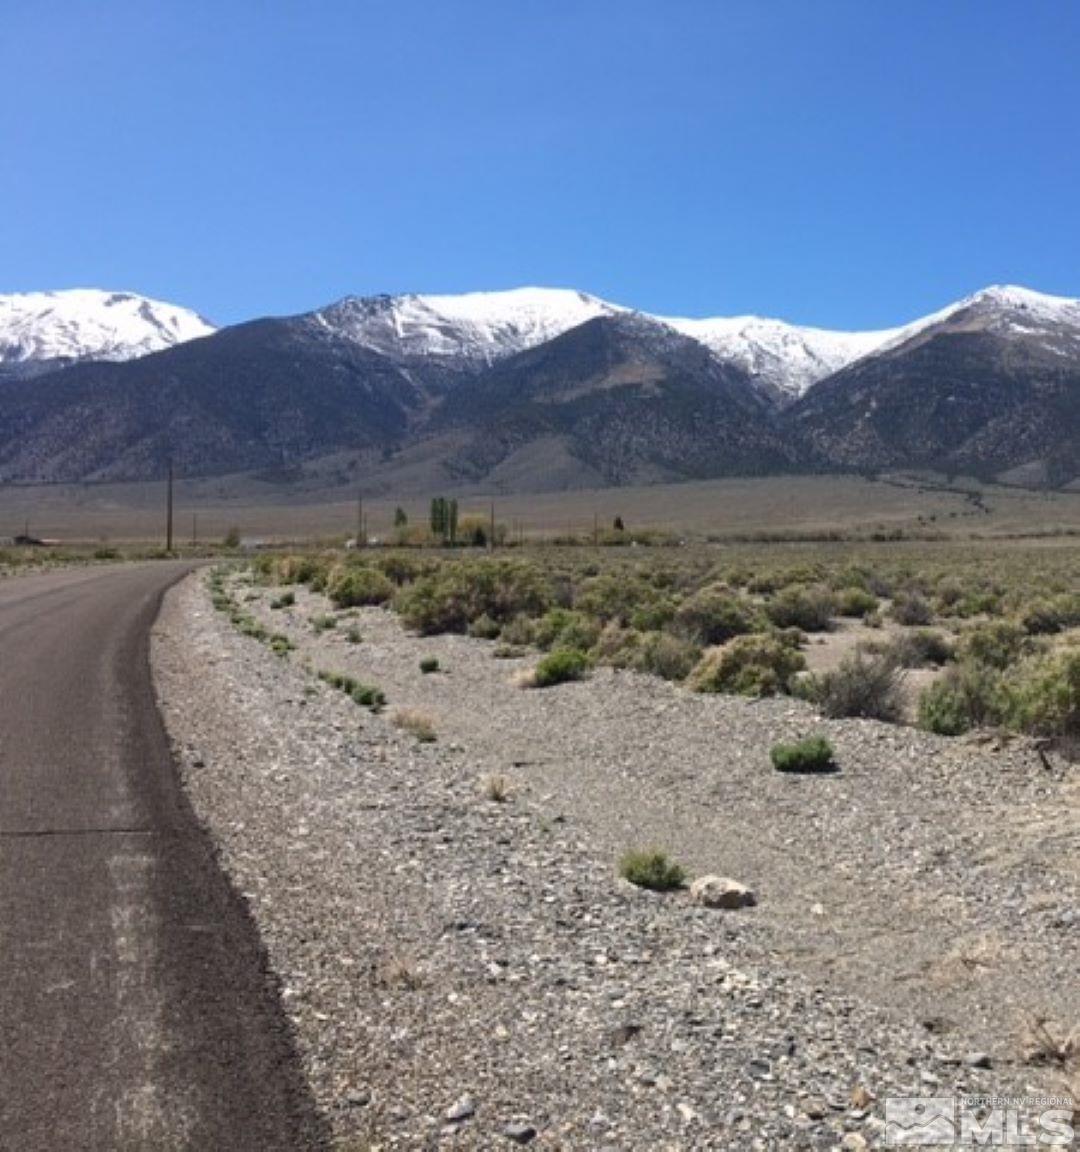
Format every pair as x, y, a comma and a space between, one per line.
323, 622
969, 695
809, 608
559, 667
666, 656
1048, 616
616, 596
519, 630
566, 628
429, 664
814, 754
653, 870
855, 602
911, 609
714, 616
759, 665
1044, 696
369, 696
309, 570
998, 644
417, 724
484, 628
354, 587
285, 600
280, 644
457, 593
917, 649
870, 687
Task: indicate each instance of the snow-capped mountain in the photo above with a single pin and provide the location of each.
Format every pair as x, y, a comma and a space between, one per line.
1048, 322
45, 330
475, 328
784, 358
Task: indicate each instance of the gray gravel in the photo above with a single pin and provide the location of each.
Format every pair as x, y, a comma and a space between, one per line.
472, 973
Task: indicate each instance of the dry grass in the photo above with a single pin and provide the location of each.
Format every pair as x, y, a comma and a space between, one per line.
497, 789
398, 971
417, 724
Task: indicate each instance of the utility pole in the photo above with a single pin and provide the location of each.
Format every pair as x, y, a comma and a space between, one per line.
194, 529
361, 532
493, 525
169, 511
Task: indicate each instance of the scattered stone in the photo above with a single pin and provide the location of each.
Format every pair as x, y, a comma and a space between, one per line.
978, 1060
757, 1025
461, 1110
520, 1133
721, 892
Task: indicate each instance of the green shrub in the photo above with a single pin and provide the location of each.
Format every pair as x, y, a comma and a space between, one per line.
560, 666
565, 628
280, 644
855, 602
1048, 616
619, 597
814, 754
918, 649
759, 665
653, 616
352, 587
459, 592
353, 635
998, 644
518, 631
713, 616
911, 609
323, 623
969, 695
870, 687
285, 600
808, 608
666, 656
429, 664
653, 870
617, 646
369, 696
484, 628
1044, 696
301, 570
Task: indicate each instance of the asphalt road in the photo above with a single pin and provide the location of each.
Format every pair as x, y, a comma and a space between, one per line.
135, 1007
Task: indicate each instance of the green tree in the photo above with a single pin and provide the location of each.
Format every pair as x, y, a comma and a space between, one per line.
438, 517
400, 519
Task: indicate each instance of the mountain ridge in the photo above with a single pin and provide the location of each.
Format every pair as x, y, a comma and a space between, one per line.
495, 385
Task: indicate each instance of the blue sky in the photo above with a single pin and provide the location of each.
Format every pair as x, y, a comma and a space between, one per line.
842, 162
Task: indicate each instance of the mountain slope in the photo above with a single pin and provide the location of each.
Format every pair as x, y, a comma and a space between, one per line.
264, 394
990, 386
42, 331
627, 397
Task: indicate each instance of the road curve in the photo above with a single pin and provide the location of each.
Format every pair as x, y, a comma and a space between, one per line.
136, 1011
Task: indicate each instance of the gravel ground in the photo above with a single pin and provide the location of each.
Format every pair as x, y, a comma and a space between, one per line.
463, 972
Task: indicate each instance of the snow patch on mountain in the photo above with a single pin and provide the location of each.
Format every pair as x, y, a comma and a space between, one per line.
785, 357
475, 327
89, 324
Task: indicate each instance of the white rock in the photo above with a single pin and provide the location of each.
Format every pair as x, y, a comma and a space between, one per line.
721, 892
